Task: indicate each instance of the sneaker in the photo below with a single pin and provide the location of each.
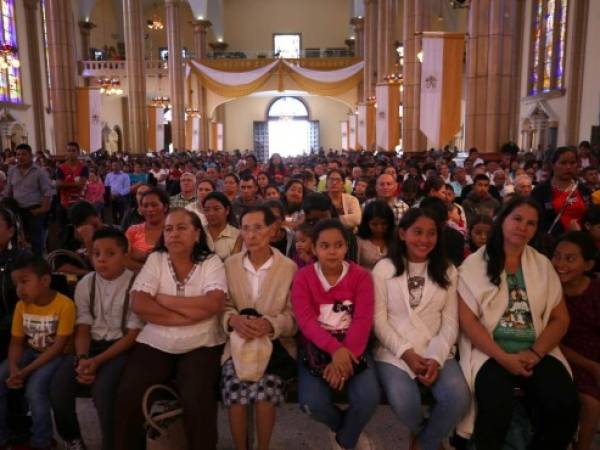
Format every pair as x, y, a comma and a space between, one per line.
364, 443
75, 444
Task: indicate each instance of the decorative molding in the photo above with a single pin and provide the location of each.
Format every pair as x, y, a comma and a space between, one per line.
15, 106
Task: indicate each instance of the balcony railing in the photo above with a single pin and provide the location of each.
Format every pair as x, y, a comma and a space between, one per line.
118, 68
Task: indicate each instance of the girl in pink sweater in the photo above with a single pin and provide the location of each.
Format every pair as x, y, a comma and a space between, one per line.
333, 304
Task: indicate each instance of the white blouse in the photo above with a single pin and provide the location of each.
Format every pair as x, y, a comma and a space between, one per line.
156, 277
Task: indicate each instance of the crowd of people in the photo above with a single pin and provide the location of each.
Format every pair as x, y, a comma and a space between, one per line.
467, 284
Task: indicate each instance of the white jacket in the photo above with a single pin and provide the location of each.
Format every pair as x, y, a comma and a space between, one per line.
430, 329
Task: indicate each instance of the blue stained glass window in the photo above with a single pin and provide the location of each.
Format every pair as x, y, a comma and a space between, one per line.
548, 35
10, 75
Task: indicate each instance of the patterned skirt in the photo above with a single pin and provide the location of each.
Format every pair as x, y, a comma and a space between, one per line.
237, 392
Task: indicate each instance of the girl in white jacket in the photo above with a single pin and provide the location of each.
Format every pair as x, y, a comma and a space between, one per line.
416, 324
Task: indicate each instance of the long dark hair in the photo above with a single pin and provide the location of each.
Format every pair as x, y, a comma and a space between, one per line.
438, 264
273, 168
200, 251
494, 249
381, 210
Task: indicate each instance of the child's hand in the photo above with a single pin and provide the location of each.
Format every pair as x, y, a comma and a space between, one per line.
343, 359
417, 363
431, 374
85, 379
333, 377
15, 380
87, 367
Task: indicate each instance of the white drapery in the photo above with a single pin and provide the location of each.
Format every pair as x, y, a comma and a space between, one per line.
237, 84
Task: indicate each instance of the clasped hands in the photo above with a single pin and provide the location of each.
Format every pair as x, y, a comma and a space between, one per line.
250, 327
340, 369
426, 370
521, 363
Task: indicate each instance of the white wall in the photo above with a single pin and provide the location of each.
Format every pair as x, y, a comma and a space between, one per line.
590, 100
240, 115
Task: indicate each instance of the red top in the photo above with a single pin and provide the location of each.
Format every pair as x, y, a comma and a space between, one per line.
574, 211
309, 296
67, 173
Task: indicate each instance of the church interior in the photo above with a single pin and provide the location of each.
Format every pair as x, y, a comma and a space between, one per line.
339, 74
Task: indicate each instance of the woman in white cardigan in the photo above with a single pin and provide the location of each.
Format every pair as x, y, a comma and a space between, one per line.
513, 317
347, 205
416, 324
258, 307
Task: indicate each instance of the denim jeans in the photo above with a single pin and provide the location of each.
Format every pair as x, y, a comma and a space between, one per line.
34, 228
37, 388
63, 394
451, 395
364, 394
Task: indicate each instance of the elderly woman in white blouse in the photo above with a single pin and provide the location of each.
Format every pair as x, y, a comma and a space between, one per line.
180, 293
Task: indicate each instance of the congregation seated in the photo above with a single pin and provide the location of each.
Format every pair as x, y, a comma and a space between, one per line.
260, 277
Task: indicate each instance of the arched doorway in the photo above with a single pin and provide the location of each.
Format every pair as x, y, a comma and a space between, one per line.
290, 131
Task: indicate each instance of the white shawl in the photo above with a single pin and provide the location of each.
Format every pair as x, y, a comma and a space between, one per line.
489, 302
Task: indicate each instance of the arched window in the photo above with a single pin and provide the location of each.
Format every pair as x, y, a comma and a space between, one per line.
10, 73
287, 108
547, 53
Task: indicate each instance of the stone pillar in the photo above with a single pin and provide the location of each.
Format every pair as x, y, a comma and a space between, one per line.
136, 77
386, 57
61, 55
580, 10
370, 50
359, 29
416, 20
359, 47
201, 50
176, 73
85, 28
491, 71
37, 80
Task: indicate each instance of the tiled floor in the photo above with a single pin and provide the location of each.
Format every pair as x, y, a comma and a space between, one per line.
294, 430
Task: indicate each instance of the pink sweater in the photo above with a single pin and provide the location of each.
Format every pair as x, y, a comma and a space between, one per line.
308, 295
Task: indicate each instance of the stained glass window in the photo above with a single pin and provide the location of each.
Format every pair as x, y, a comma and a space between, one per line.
548, 34
10, 75
45, 39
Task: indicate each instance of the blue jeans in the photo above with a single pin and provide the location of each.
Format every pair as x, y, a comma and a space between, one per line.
37, 388
451, 395
364, 393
